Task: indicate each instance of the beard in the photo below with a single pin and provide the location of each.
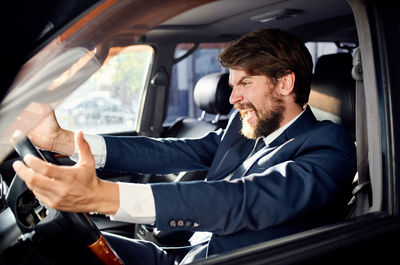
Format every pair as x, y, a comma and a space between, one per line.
268, 118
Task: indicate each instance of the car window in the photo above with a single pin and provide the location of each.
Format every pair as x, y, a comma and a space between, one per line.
317, 49
204, 61
186, 73
109, 101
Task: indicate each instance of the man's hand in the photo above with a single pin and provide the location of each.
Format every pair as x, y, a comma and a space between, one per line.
48, 135
72, 189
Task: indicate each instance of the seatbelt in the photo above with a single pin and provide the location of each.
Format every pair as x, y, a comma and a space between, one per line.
161, 83
362, 192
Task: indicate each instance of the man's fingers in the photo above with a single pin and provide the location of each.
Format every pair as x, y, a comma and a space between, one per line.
44, 188
85, 154
42, 167
23, 171
29, 176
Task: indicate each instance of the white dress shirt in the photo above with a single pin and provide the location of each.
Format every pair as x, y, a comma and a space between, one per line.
136, 201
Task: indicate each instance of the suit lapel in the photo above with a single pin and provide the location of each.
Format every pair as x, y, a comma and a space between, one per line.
232, 151
231, 159
235, 148
302, 125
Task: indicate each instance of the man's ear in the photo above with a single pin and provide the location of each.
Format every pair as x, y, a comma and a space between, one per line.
287, 84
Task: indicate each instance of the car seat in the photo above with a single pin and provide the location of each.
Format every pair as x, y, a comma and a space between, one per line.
332, 95
211, 94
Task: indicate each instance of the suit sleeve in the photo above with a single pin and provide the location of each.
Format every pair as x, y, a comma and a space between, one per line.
141, 154
310, 174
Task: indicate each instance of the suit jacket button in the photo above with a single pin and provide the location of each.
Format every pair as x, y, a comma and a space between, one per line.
180, 223
188, 223
172, 223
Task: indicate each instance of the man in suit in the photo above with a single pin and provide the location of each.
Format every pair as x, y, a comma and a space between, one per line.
275, 170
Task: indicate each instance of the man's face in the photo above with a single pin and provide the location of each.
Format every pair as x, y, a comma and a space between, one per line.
260, 105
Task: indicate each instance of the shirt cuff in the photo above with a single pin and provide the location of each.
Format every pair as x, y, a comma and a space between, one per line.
97, 147
136, 204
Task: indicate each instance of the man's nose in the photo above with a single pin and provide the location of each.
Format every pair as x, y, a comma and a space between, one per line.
235, 96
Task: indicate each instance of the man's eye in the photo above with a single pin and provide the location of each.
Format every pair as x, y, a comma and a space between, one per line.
245, 83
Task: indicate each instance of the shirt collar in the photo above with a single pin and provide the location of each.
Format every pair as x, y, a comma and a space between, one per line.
272, 136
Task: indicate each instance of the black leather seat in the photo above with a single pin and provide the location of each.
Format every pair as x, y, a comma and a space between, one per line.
211, 95
332, 95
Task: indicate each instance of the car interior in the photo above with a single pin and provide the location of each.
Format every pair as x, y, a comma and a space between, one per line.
332, 94
337, 94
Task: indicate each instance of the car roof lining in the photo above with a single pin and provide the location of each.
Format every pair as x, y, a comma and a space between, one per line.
205, 24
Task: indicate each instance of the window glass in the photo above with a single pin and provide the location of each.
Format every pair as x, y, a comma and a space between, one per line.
317, 49
109, 101
186, 73
204, 61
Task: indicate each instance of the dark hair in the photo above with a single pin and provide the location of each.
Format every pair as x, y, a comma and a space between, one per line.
273, 53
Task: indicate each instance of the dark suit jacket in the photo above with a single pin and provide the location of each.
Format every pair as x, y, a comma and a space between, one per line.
301, 180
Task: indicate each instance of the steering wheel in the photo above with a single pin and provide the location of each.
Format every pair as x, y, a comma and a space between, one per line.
32, 215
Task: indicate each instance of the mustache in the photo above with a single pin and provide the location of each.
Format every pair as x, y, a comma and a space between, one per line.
241, 106
247, 105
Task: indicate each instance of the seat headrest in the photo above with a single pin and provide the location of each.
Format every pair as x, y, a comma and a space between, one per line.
212, 93
332, 95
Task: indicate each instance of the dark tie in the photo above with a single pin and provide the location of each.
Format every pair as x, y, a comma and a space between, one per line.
239, 172
259, 145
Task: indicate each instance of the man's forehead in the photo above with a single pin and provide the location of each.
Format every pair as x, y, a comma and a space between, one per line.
236, 76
